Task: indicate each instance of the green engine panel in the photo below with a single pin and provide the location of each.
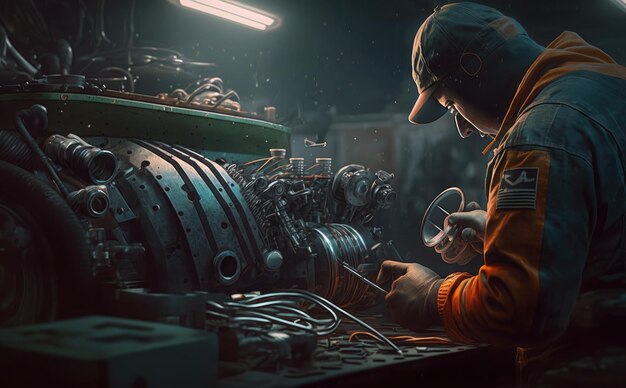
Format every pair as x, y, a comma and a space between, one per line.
214, 134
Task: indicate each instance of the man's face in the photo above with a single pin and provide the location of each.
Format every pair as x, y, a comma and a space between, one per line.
469, 111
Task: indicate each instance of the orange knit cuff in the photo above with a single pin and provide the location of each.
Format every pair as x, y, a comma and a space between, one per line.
445, 309
444, 290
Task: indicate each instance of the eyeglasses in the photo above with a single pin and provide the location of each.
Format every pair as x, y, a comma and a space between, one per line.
463, 125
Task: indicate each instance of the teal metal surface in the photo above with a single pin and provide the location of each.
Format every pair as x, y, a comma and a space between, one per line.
97, 115
101, 351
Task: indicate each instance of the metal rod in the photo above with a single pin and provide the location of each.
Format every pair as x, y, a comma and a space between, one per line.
443, 210
363, 278
433, 224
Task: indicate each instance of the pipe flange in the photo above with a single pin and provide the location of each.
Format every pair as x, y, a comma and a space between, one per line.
227, 267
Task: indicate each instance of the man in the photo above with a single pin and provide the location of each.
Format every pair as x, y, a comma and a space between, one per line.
555, 219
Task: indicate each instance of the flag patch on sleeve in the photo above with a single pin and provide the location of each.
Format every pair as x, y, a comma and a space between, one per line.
518, 189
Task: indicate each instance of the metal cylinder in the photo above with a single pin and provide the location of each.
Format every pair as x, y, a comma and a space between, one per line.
385, 196
92, 201
96, 165
270, 113
297, 166
278, 153
347, 243
326, 165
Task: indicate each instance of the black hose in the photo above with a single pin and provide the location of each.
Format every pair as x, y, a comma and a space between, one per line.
14, 150
34, 147
17, 57
127, 74
62, 230
78, 35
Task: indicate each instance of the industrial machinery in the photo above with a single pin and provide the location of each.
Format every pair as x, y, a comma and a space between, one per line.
134, 183
163, 218
270, 255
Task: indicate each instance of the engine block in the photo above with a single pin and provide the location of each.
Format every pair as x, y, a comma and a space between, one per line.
254, 225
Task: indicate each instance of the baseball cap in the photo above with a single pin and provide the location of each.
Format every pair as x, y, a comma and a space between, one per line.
456, 39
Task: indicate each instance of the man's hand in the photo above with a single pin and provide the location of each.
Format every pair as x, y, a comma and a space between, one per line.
412, 299
471, 222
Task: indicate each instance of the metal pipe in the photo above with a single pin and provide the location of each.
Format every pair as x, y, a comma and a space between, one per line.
91, 163
92, 201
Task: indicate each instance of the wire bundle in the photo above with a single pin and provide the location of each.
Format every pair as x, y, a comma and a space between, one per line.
210, 91
206, 91
264, 312
282, 311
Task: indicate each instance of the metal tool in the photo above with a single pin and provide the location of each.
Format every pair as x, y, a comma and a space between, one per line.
310, 143
356, 273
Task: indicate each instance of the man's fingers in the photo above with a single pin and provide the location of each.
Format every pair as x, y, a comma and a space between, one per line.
469, 235
472, 219
472, 206
393, 305
389, 268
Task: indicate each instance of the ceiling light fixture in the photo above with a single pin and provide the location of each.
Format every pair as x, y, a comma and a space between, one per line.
234, 11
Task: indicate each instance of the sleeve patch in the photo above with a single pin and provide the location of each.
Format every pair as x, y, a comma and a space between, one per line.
518, 189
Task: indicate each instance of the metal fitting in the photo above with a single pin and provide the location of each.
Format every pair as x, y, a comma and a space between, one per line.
273, 260
297, 166
278, 153
325, 164
227, 267
91, 163
92, 201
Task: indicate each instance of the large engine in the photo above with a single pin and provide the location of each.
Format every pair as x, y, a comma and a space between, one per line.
166, 219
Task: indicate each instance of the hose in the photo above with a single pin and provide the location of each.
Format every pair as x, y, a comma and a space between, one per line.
127, 76
37, 118
14, 150
61, 228
17, 57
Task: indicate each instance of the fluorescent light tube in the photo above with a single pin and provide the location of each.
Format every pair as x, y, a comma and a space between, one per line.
235, 12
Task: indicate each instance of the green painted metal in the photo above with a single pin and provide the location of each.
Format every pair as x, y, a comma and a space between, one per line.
96, 115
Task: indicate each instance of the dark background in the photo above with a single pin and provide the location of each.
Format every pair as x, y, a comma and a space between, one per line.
353, 55
340, 70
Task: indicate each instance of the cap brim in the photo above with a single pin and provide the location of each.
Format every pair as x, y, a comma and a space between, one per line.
426, 109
